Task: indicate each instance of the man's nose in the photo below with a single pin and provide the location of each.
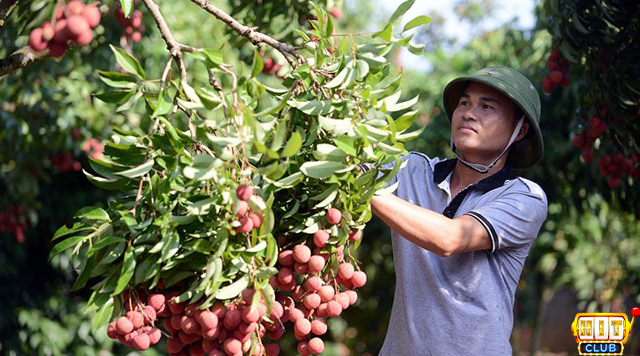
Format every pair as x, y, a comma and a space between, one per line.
470, 114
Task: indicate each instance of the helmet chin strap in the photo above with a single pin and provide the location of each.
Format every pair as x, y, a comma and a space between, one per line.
480, 168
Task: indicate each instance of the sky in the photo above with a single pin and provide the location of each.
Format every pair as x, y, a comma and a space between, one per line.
506, 10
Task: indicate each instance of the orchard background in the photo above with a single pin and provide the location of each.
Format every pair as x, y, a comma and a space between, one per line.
59, 116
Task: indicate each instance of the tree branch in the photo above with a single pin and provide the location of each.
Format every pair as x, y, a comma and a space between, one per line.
5, 8
254, 36
20, 59
174, 47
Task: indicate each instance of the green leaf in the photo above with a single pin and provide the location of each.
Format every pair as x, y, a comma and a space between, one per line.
106, 242
128, 267
210, 99
390, 150
146, 270
325, 151
86, 268
416, 49
201, 207
337, 127
65, 244
212, 57
129, 103
279, 136
170, 129
258, 64
346, 144
170, 247
275, 91
258, 247
400, 11
321, 169
92, 213
313, 107
385, 34
289, 181
363, 68
293, 145
271, 254
115, 96
403, 105
234, 289
406, 120
274, 109
328, 31
409, 136
163, 105
105, 183
127, 7
333, 193
128, 62
117, 80
113, 253
102, 316
340, 78
137, 171
303, 35
418, 21
64, 231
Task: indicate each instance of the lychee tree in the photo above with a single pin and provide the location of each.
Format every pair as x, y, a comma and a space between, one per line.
596, 45
238, 211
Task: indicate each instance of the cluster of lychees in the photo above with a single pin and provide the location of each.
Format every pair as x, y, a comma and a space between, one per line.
219, 330
584, 140
310, 287
559, 70
270, 66
133, 26
315, 292
14, 222
93, 148
72, 23
247, 218
64, 161
137, 329
615, 166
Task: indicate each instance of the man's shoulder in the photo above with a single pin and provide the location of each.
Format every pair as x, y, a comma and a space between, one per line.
530, 187
528, 193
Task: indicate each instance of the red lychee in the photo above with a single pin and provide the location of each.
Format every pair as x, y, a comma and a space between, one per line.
333, 216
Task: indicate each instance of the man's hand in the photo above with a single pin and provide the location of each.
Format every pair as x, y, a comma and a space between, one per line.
430, 230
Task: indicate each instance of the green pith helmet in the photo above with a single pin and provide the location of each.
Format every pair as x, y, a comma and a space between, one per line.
528, 151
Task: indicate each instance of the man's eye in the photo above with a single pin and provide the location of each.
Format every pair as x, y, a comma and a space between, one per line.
464, 103
488, 107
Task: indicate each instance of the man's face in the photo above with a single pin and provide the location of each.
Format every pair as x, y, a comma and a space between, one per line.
482, 123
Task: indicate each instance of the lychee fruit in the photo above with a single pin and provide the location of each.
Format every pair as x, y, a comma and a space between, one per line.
36, 42
301, 253
320, 238
333, 216
244, 192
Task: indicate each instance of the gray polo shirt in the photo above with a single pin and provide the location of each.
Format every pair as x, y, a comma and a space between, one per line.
462, 304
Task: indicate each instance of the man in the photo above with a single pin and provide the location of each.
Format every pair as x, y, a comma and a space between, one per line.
462, 228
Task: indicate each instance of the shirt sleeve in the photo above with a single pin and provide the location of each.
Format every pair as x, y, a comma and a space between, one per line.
513, 219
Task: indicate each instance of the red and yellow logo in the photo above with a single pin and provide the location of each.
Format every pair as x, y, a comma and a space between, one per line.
602, 333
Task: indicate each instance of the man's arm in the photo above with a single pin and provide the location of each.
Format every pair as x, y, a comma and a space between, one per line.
430, 230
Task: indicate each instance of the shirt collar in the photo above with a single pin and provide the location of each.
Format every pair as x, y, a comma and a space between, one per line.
444, 168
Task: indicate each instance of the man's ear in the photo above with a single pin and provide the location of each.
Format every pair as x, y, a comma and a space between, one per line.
523, 131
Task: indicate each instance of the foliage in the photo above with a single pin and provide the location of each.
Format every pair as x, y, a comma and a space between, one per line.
599, 40
332, 112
